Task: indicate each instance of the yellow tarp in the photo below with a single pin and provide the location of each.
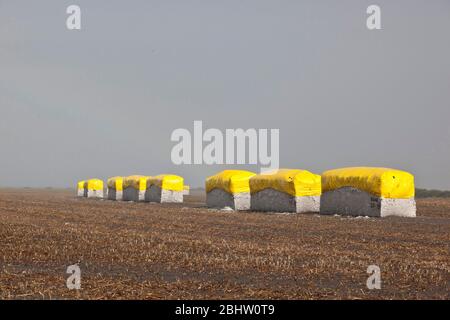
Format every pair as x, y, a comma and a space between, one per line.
297, 183
137, 182
93, 184
186, 188
231, 181
115, 183
80, 184
381, 182
167, 182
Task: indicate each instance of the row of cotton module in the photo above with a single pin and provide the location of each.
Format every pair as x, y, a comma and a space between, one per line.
358, 191
165, 188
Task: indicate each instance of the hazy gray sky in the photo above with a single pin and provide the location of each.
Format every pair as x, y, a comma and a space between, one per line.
104, 100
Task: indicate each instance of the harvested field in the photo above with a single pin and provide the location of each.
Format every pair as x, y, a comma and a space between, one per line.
186, 251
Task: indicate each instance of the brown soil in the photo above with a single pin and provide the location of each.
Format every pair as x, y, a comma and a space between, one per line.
153, 251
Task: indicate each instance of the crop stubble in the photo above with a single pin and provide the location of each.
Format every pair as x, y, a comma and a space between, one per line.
154, 251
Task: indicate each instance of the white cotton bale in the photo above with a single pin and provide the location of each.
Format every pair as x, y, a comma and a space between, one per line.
275, 201
80, 189
130, 194
93, 188
218, 198
229, 188
368, 191
156, 194
114, 194
286, 190
134, 188
165, 188
354, 202
95, 194
115, 188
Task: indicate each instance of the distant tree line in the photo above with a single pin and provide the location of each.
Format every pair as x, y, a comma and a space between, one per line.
425, 193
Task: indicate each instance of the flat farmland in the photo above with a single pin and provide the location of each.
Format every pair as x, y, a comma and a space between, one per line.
186, 251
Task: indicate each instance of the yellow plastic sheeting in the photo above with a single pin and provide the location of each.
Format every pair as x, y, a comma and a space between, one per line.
115, 183
137, 182
80, 185
93, 184
381, 182
231, 181
295, 182
167, 182
186, 188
